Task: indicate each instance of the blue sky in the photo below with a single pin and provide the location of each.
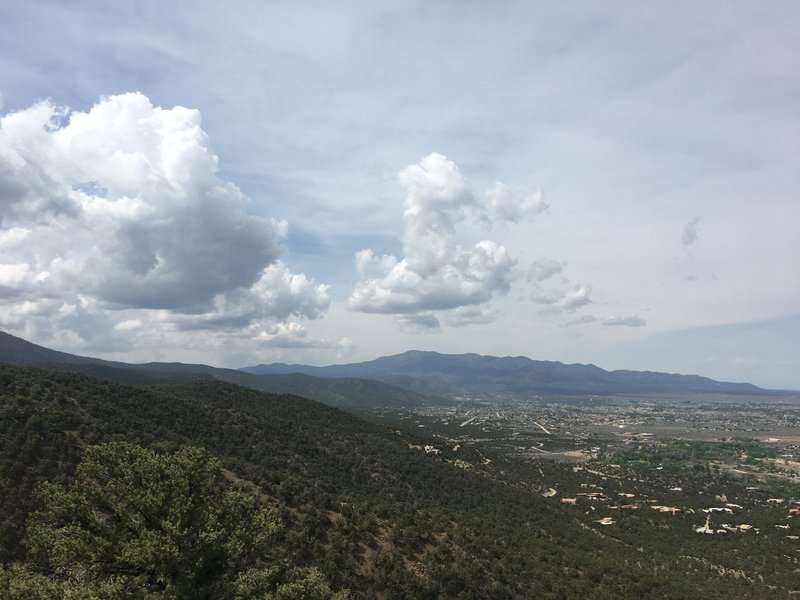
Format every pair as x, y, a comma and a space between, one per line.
613, 182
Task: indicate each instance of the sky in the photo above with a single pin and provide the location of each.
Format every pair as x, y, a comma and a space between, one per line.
250, 182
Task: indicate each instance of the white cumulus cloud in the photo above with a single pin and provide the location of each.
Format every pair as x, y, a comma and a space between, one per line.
118, 218
436, 272
277, 294
506, 204
569, 298
294, 335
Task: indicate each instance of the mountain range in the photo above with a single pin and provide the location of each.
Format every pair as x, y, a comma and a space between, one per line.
469, 374
409, 379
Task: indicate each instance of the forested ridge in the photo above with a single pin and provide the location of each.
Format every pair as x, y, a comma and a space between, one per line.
356, 501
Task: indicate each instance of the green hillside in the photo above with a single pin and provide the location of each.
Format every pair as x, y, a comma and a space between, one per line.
365, 505
351, 394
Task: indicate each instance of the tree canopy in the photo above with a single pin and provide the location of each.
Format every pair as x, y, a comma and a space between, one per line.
135, 523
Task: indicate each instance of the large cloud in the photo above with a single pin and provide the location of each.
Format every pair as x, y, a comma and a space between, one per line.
121, 209
436, 273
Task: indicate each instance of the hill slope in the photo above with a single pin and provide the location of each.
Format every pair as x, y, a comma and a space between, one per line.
358, 501
347, 393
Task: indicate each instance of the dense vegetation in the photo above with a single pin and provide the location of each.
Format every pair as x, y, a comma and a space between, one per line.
351, 394
137, 524
360, 503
